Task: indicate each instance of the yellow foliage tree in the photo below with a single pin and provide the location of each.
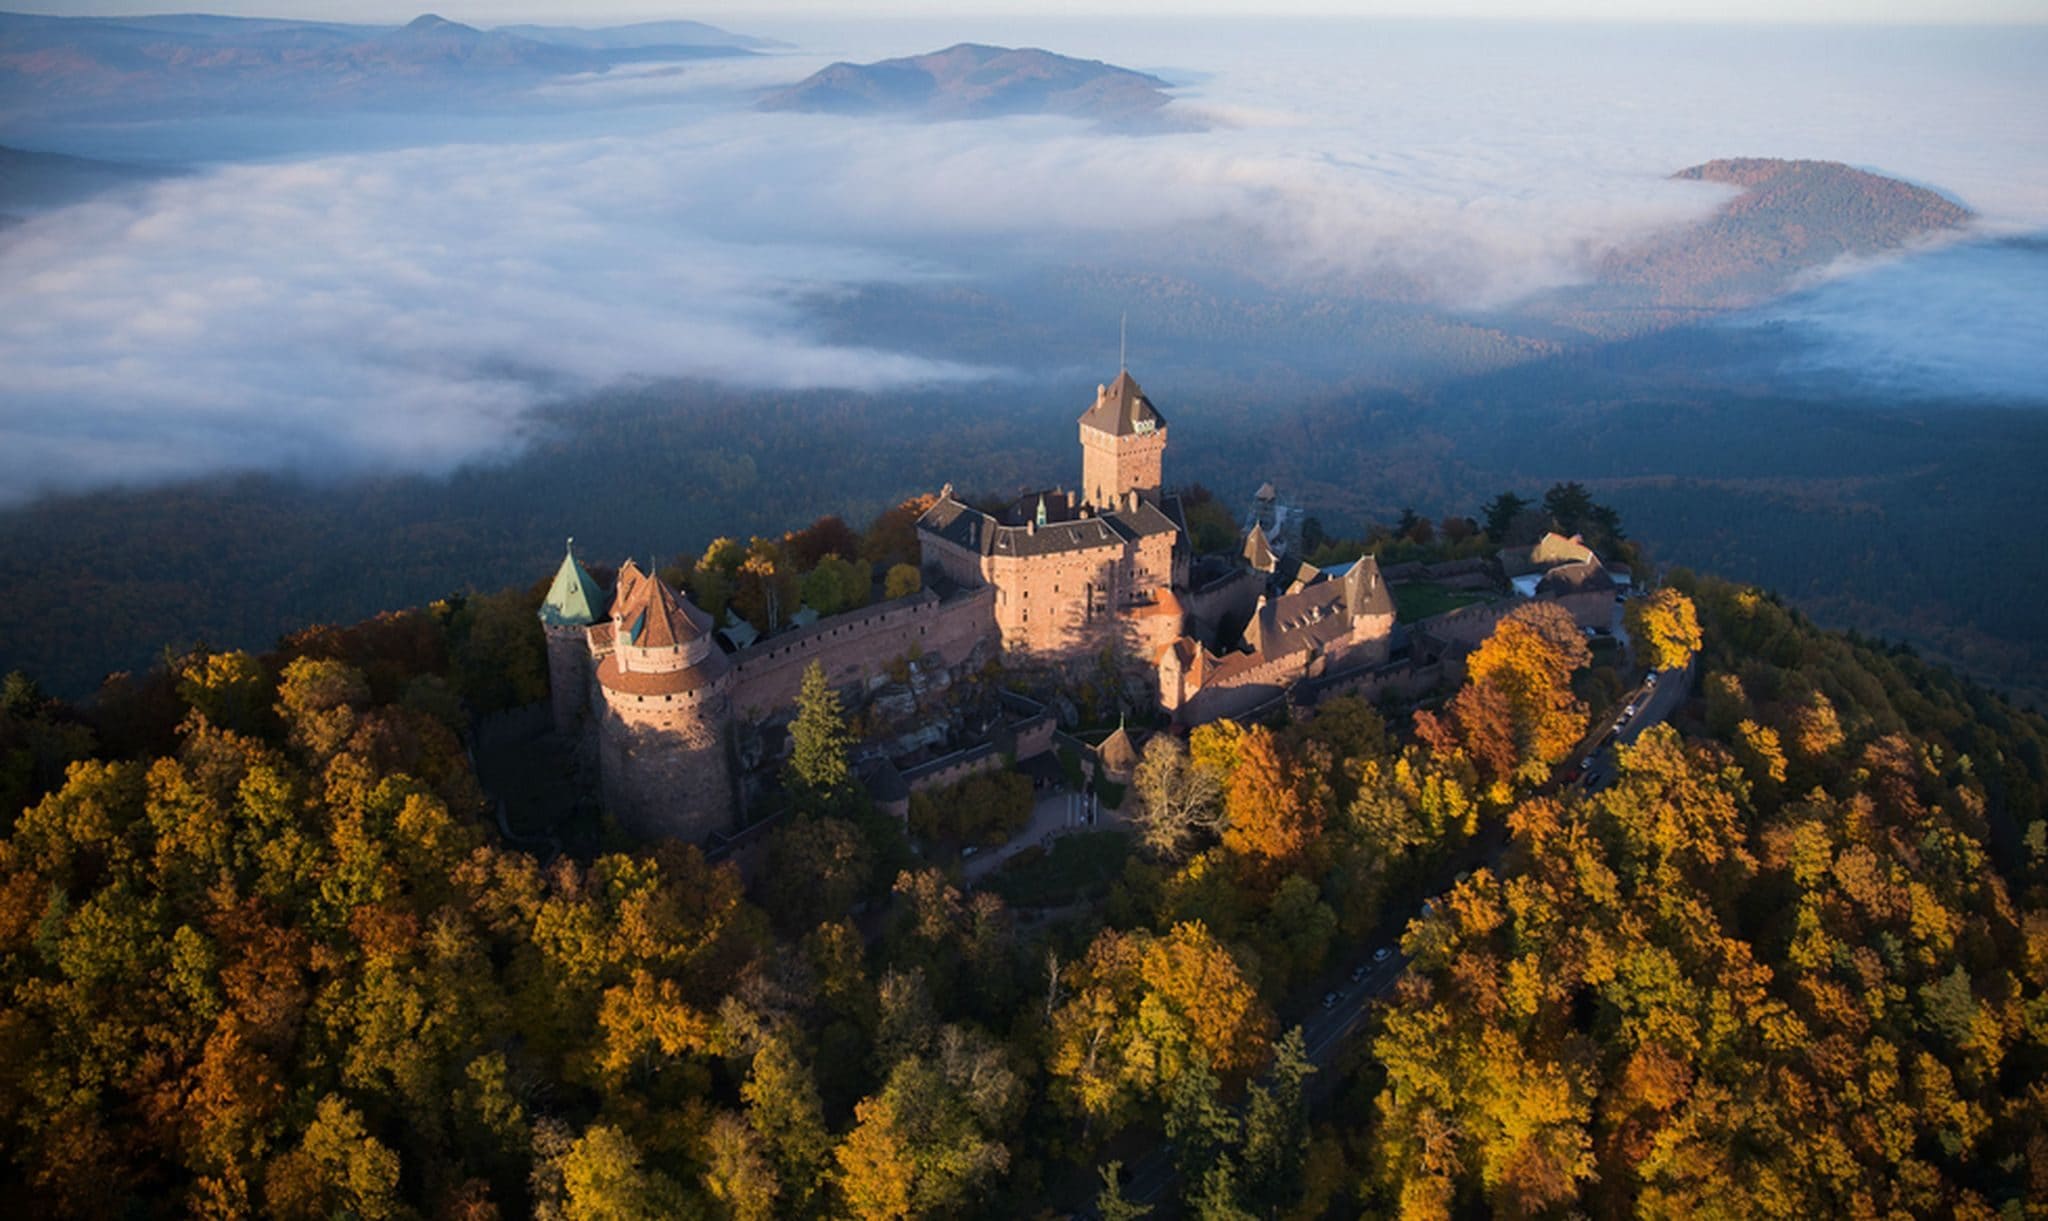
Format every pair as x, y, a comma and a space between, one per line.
1530, 659
1273, 811
1665, 628
1141, 1008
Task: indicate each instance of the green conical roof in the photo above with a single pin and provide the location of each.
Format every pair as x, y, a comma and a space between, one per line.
574, 599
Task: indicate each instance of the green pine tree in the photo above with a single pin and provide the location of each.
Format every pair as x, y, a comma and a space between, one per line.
819, 775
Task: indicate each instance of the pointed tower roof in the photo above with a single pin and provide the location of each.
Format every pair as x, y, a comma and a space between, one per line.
574, 600
1121, 409
628, 588
1118, 754
1257, 551
659, 618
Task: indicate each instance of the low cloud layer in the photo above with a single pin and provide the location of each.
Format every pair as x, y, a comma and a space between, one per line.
1960, 325
397, 311
406, 309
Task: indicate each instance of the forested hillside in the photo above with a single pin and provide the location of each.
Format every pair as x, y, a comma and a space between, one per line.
261, 955
1792, 963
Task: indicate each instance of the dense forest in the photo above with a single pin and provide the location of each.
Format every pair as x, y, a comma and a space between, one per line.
1905, 523
260, 954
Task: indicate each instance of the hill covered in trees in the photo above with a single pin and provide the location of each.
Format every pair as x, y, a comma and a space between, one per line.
970, 81
260, 954
1791, 219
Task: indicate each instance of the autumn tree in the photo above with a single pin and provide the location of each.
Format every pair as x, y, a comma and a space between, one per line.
891, 539
229, 689
766, 589
1140, 1009
715, 576
1177, 799
901, 581
1666, 627
1529, 659
827, 536
1274, 805
837, 585
933, 1139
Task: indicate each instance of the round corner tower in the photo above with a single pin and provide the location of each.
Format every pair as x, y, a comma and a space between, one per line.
574, 602
1123, 445
665, 690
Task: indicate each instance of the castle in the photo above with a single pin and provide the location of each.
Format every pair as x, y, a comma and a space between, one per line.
1054, 576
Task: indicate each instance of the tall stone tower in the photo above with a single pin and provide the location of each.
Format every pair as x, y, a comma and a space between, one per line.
664, 753
574, 602
1123, 444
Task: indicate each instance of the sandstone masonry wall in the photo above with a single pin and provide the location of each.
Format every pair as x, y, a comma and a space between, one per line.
664, 762
860, 643
569, 677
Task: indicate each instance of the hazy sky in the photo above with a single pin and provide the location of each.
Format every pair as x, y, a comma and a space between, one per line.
489, 12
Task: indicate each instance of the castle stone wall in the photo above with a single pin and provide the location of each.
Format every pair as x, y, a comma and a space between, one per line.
569, 677
1230, 600
664, 762
1112, 465
1057, 604
858, 644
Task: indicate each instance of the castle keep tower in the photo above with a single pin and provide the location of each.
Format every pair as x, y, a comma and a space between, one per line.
574, 602
1123, 445
665, 691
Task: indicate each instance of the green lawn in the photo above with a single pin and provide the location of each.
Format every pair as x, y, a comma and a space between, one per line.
1425, 598
1079, 866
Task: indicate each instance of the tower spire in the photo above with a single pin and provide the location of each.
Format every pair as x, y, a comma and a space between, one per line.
1123, 326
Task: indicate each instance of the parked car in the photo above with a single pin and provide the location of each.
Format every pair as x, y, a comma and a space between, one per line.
1382, 954
1330, 1000
1358, 972
1651, 681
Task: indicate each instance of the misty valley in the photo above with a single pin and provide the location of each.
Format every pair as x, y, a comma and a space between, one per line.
939, 615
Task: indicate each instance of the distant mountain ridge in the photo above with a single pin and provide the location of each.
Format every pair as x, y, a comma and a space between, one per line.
973, 81
1793, 218
116, 67
640, 36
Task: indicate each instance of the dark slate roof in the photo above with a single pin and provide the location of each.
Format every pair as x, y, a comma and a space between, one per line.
1587, 576
1147, 519
1364, 588
1083, 535
1122, 409
965, 526
1315, 616
957, 523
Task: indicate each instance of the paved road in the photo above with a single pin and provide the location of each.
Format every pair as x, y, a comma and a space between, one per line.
1057, 813
1325, 1027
